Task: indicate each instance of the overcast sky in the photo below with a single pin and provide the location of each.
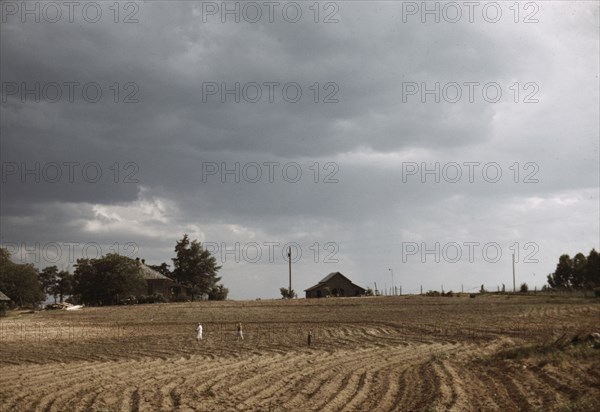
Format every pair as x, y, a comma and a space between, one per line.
371, 135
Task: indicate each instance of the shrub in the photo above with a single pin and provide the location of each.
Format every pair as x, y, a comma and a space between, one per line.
524, 287
180, 298
287, 293
154, 298
220, 292
129, 300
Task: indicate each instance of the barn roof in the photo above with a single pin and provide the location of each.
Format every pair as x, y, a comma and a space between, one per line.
328, 278
4, 297
331, 275
151, 274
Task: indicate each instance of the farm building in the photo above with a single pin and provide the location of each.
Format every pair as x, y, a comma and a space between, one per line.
4, 298
4, 303
157, 282
334, 284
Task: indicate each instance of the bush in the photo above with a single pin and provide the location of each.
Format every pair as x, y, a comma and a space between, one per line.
154, 298
180, 298
524, 288
287, 293
129, 300
219, 292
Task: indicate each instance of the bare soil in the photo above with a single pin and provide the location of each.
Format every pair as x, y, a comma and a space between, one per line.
413, 353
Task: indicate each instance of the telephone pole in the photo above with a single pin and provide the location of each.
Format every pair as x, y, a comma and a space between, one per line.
514, 284
290, 268
393, 286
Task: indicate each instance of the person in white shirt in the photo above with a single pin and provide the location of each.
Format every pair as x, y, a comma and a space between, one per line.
199, 332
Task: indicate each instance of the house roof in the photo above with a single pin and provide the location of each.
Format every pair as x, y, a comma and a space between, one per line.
4, 297
151, 274
328, 278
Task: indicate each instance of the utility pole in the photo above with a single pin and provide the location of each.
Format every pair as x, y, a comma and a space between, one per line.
290, 269
393, 286
514, 284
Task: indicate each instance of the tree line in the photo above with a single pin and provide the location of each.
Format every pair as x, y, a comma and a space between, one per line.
577, 273
112, 279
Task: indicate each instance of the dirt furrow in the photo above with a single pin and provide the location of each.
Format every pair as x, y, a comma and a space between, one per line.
330, 390
448, 392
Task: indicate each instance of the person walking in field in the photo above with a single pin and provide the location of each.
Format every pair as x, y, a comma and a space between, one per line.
238, 332
199, 332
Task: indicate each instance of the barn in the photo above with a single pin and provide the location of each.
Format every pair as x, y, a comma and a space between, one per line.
334, 284
4, 298
4, 303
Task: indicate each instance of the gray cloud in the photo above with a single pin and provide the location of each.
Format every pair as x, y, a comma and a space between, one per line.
162, 143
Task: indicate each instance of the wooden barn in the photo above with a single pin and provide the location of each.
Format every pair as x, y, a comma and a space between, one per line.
4, 298
4, 303
334, 284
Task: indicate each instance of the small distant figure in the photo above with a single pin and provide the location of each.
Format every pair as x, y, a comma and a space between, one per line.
199, 332
238, 332
310, 335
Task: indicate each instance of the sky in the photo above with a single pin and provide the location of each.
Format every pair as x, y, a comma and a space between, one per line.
407, 144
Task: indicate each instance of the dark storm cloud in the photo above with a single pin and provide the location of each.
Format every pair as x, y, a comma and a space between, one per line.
162, 142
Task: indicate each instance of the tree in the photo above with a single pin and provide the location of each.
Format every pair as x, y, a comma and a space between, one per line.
196, 268
562, 276
581, 272
163, 269
287, 293
524, 288
220, 292
106, 280
579, 266
48, 278
56, 283
19, 281
592, 270
64, 285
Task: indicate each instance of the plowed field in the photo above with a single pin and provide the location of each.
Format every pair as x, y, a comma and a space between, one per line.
416, 353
